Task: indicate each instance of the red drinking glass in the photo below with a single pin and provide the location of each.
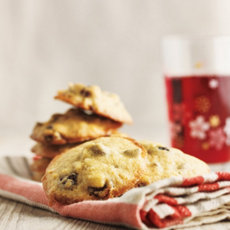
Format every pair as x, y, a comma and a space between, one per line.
197, 79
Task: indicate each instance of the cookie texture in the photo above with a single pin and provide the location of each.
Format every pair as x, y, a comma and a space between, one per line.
164, 162
73, 126
50, 151
99, 169
92, 98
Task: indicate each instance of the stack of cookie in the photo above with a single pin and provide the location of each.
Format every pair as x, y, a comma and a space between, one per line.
94, 113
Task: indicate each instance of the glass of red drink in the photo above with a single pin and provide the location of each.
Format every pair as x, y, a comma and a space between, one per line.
197, 79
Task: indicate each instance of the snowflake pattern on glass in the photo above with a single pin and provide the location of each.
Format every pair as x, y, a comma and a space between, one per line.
199, 127
217, 138
202, 104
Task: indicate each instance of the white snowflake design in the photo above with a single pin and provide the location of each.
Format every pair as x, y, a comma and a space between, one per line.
213, 84
199, 127
217, 138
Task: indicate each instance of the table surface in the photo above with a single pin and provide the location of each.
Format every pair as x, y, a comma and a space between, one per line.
15, 215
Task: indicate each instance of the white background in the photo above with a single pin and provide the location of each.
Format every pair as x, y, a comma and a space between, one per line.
115, 44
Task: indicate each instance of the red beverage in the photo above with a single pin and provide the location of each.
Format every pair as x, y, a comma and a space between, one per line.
199, 115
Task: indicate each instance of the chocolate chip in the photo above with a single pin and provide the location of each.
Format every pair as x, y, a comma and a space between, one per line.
39, 124
85, 93
91, 108
49, 127
48, 138
163, 148
98, 192
72, 177
142, 184
55, 117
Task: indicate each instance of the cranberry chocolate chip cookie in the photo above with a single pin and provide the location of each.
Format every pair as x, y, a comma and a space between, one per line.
164, 162
92, 98
72, 127
99, 169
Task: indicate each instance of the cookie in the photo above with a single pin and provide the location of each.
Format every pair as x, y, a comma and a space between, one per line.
38, 167
72, 127
99, 169
40, 164
50, 151
164, 162
92, 98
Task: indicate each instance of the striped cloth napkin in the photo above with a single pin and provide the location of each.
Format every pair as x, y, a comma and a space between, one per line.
169, 204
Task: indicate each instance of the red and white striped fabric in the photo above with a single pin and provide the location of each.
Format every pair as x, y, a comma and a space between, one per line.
171, 203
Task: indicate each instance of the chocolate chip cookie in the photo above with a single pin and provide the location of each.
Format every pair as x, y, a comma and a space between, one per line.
92, 98
99, 169
73, 126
